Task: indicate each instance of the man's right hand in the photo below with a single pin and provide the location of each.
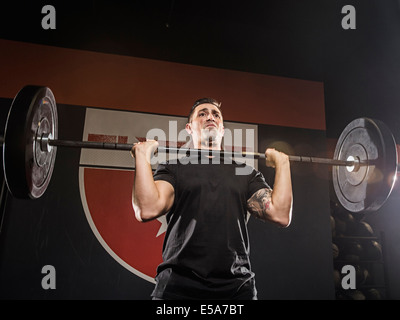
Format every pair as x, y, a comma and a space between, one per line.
144, 149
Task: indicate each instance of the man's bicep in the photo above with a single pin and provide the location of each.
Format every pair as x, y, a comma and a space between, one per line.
259, 203
166, 193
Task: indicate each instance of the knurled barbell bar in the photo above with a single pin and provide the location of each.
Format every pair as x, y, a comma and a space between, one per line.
364, 164
47, 142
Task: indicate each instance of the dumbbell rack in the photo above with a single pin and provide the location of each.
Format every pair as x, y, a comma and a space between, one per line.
376, 280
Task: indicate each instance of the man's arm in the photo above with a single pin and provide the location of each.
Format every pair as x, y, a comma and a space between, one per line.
150, 199
274, 205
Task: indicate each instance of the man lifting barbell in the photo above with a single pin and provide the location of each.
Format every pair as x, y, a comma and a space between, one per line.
363, 173
206, 247
364, 170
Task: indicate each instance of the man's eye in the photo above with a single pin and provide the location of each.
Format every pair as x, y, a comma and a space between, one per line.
217, 115
202, 114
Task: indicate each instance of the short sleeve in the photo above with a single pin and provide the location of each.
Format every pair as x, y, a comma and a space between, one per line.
165, 172
256, 182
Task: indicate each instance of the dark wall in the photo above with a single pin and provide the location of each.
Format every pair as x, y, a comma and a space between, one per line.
296, 262
270, 37
362, 78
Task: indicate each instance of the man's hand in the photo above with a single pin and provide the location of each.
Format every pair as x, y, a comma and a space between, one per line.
144, 149
274, 158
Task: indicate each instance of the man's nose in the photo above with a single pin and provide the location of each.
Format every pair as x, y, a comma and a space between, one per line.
210, 116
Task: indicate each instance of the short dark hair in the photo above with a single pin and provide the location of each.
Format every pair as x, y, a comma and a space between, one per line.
203, 101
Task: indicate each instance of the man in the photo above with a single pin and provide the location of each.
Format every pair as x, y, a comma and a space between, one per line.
206, 246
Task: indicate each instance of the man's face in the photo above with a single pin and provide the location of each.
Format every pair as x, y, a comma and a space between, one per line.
206, 126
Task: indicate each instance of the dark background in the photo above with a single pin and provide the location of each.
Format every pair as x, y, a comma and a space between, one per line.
360, 70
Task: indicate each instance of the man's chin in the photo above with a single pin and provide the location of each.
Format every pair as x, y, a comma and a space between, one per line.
209, 134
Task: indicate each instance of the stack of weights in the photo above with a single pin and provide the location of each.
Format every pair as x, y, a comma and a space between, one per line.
354, 243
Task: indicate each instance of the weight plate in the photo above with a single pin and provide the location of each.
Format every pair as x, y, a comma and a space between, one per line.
28, 168
365, 187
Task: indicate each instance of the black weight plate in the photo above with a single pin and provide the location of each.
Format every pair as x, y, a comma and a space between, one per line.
27, 168
368, 187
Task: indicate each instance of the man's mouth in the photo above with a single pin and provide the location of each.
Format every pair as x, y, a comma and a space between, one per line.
210, 125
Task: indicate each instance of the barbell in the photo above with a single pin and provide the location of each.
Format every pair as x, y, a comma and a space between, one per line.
364, 163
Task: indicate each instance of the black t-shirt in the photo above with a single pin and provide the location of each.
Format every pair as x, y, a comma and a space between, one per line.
206, 245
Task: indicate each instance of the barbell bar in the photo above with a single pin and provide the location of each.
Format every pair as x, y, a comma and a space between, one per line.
46, 142
126, 146
363, 174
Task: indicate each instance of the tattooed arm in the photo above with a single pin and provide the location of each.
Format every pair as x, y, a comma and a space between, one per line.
274, 205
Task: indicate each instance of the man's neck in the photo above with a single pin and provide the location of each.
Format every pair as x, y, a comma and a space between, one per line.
209, 144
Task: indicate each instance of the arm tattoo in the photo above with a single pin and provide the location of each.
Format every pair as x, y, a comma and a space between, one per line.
260, 202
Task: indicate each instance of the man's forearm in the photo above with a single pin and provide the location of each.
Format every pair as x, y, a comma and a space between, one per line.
145, 192
281, 197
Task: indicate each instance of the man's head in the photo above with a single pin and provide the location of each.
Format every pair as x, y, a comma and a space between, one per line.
205, 124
